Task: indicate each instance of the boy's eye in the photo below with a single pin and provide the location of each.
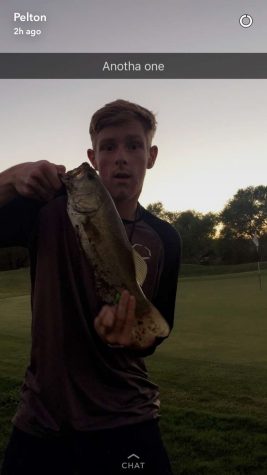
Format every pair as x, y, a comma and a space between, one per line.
107, 147
134, 145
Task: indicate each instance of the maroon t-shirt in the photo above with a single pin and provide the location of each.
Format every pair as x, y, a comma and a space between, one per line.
74, 380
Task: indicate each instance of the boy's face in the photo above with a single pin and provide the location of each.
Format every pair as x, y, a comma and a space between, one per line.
122, 155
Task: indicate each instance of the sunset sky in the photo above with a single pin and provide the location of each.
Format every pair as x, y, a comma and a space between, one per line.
211, 133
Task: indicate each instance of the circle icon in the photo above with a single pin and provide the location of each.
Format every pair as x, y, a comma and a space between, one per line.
246, 21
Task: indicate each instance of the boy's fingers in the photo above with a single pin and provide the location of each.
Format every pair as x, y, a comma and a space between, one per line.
121, 312
61, 169
130, 311
129, 320
123, 335
38, 179
114, 324
51, 176
104, 322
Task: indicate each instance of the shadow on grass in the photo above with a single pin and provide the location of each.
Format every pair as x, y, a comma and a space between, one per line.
9, 397
207, 443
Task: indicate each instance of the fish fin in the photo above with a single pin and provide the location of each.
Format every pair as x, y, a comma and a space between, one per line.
117, 298
140, 267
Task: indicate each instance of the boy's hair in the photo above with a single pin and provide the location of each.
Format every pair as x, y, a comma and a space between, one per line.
119, 112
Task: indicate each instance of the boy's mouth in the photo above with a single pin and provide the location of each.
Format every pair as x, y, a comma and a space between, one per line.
122, 175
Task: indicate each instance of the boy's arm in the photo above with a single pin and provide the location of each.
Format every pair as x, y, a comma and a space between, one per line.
23, 189
36, 180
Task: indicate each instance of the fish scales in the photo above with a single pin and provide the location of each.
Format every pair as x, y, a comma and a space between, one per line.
103, 238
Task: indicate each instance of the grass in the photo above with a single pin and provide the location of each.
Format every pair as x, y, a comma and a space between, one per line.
212, 371
197, 269
213, 376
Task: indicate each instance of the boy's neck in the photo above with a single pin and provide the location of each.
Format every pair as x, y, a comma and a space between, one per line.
127, 210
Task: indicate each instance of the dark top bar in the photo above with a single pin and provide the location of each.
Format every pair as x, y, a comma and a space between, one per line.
133, 65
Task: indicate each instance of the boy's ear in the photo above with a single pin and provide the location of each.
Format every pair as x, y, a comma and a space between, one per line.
153, 152
91, 156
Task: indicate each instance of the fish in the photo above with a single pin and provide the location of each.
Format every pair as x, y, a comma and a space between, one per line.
104, 241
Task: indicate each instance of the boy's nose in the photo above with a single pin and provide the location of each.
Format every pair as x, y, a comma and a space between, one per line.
121, 161
121, 158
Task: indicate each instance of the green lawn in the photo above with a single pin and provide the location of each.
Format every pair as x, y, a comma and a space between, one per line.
212, 371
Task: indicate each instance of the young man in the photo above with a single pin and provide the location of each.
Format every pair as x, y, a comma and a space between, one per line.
87, 405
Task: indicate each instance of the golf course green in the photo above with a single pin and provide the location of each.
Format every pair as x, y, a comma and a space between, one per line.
212, 370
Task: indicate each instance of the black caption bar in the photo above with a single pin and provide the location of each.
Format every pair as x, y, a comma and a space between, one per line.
133, 65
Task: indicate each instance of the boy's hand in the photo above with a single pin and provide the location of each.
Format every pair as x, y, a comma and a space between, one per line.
37, 180
114, 324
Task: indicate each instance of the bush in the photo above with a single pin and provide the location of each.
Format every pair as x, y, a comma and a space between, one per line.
13, 258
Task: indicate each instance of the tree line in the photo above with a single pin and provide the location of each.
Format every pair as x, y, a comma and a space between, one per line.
211, 238
236, 235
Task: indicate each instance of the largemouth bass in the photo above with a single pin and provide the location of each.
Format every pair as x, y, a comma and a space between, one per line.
103, 238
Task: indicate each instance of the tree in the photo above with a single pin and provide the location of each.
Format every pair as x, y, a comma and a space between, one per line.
196, 230
245, 214
158, 210
13, 258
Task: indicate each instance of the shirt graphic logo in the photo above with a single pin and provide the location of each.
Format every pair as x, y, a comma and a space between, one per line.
140, 267
142, 250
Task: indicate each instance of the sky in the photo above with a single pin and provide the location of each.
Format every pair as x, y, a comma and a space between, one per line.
211, 133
